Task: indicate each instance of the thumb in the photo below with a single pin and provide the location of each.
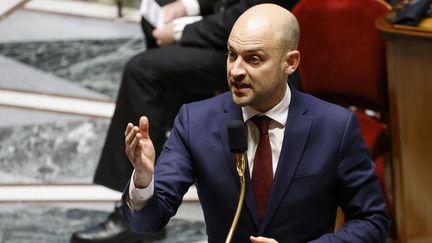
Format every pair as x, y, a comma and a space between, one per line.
144, 127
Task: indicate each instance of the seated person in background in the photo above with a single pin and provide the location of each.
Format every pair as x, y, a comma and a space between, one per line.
186, 66
306, 156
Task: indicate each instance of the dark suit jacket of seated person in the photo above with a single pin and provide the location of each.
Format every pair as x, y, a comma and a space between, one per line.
321, 163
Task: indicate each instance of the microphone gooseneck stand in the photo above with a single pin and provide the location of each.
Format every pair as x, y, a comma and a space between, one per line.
237, 137
241, 165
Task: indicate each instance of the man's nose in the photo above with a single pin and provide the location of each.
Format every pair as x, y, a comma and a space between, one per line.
238, 72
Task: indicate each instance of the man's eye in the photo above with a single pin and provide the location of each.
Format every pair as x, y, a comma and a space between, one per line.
254, 60
231, 55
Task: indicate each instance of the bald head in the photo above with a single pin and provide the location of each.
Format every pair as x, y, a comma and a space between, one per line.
271, 21
261, 55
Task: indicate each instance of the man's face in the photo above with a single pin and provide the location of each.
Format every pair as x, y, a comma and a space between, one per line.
255, 69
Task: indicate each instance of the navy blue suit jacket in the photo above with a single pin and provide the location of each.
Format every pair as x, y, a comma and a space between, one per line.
324, 163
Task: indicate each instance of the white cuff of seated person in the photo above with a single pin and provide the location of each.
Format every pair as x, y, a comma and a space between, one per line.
139, 196
180, 23
192, 7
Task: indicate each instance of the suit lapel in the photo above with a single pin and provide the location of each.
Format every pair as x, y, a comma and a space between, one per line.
295, 138
231, 112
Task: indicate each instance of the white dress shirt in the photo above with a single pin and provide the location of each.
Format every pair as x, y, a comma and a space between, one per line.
278, 114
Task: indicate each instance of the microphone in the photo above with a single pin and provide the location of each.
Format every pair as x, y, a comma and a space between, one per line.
237, 136
237, 139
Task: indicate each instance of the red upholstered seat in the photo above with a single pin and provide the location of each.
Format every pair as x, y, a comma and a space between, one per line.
375, 135
343, 55
343, 61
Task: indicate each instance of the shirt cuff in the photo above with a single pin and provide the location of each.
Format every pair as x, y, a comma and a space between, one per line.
139, 197
192, 7
180, 23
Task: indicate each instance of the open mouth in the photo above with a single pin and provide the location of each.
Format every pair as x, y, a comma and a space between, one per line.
240, 86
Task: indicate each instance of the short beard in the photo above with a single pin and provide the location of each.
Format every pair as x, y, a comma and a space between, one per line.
239, 101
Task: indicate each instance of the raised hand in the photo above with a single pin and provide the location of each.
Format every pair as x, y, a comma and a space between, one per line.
140, 152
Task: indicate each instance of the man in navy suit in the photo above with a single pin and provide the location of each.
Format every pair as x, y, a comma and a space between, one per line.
319, 160
157, 82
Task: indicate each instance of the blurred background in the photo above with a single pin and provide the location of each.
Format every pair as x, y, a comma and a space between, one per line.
60, 68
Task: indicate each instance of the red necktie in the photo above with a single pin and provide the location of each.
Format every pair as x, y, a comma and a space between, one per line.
262, 174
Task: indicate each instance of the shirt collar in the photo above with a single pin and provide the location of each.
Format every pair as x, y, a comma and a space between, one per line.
278, 113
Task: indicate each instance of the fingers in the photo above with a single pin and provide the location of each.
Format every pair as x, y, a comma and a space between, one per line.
130, 133
144, 127
159, 37
140, 151
261, 239
131, 140
128, 129
137, 148
138, 145
164, 35
133, 145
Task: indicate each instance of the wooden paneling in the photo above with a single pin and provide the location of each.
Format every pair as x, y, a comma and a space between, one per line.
409, 62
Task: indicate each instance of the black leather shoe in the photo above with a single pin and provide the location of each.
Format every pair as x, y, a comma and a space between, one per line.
113, 230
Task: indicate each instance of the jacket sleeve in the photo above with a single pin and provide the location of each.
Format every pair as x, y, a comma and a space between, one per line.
360, 196
213, 30
173, 176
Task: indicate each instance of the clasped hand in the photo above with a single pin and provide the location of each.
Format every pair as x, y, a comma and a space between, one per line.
140, 152
165, 35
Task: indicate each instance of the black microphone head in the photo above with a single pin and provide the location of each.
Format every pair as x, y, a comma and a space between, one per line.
237, 136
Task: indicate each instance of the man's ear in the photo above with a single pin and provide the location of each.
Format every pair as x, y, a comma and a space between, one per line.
292, 60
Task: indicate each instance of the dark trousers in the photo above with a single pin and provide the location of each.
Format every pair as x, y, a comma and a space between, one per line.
156, 83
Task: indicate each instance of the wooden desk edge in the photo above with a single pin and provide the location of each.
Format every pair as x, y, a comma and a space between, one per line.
388, 30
